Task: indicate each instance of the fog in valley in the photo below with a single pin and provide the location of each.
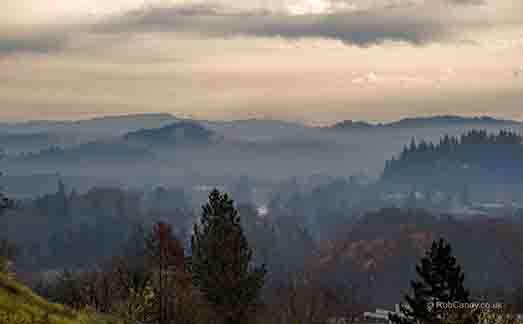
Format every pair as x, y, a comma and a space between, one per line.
352, 205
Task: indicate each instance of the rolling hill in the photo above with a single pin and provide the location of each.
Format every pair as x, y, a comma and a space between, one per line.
19, 305
183, 132
426, 122
108, 126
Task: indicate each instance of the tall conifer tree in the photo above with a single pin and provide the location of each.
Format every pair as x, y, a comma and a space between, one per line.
441, 283
222, 261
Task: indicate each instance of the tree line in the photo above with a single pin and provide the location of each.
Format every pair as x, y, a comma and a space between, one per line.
486, 162
155, 278
475, 147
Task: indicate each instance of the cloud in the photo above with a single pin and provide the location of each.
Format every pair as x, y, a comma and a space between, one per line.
373, 78
359, 28
34, 42
356, 22
369, 78
467, 2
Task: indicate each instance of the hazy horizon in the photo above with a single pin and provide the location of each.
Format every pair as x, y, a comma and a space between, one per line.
247, 118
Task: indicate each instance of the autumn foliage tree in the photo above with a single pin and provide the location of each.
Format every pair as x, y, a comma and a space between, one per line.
168, 262
222, 261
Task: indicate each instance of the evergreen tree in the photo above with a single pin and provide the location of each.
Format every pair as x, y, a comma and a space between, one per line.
465, 195
441, 282
221, 261
62, 201
6, 249
5, 203
412, 200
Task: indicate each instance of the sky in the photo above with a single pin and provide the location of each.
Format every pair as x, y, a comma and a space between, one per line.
313, 61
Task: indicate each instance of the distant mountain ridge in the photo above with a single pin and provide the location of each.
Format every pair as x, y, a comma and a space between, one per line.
350, 124
120, 125
175, 133
451, 119
442, 120
264, 149
133, 146
114, 125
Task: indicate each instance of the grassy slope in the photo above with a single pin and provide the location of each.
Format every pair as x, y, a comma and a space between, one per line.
19, 305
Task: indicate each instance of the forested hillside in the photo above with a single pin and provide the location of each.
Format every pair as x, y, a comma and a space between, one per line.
476, 159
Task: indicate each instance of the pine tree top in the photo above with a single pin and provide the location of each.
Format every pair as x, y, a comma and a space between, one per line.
441, 280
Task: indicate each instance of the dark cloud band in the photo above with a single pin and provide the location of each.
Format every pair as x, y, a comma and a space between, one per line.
364, 28
415, 24
35, 43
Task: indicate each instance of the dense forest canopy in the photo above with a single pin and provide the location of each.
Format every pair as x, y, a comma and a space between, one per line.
475, 147
475, 157
342, 245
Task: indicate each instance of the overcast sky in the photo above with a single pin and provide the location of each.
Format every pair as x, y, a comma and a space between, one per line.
315, 61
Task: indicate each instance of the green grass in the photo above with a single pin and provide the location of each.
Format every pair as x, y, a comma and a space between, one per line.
19, 305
